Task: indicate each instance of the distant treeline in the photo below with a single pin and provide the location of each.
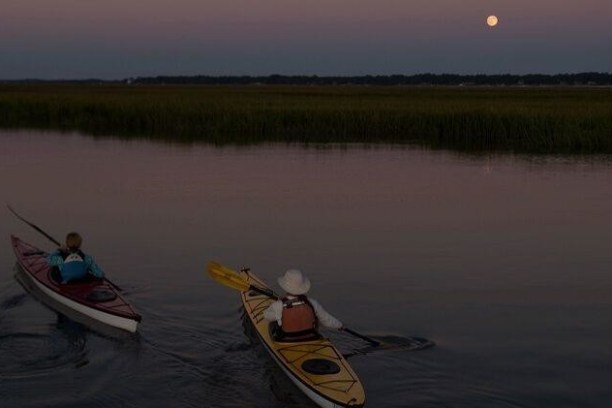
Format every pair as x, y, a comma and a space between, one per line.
579, 79
587, 78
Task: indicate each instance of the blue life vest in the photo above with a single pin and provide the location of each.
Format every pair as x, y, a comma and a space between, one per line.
74, 267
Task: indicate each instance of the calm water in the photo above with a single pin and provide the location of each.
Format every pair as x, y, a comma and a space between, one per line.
505, 262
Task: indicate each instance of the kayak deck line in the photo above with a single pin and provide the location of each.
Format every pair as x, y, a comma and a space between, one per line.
258, 309
335, 389
70, 291
322, 350
107, 306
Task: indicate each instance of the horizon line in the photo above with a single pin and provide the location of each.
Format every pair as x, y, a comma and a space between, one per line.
317, 76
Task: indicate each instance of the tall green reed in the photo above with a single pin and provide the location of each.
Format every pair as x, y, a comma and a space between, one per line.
542, 120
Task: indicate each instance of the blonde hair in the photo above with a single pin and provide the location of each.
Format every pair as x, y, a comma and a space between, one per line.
73, 240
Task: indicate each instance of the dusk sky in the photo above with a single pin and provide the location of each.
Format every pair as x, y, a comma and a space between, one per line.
116, 39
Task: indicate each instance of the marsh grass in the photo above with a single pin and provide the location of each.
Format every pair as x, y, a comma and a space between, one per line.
539, 120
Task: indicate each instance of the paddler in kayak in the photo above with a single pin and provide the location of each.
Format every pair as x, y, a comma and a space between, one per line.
72, 263
296, 317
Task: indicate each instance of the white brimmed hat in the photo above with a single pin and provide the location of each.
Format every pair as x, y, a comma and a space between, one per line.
294, 282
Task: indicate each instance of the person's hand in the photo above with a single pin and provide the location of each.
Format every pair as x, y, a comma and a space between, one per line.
63, 248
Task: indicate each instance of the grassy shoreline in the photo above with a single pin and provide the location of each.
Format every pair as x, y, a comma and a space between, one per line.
528, 120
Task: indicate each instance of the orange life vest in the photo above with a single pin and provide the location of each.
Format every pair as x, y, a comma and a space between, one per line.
298, 319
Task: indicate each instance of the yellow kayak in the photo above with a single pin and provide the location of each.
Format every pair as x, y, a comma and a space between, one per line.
316, 367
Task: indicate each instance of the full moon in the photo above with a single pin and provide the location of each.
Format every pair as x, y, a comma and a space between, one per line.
492, 21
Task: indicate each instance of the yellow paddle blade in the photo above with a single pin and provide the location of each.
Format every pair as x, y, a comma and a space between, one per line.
227, 276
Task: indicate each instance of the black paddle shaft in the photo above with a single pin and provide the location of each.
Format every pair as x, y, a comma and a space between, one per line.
49, 237
362, 337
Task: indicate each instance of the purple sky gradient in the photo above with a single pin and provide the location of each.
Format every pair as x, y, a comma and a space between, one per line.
119, 39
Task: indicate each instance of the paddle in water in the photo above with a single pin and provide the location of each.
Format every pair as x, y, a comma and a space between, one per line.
234, 280
389, 343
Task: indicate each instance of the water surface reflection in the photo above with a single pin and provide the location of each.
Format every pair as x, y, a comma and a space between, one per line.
504, 261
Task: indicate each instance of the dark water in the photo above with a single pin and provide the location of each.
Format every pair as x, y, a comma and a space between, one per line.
505, 262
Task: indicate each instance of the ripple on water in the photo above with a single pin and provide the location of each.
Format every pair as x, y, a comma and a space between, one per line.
28, 355
13, 301
431, 378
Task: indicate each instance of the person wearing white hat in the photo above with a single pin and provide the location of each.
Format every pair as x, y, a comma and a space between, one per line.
296, 316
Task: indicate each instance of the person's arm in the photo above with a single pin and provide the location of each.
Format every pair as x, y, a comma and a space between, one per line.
325, 318
55, 258
93, 267
274, 312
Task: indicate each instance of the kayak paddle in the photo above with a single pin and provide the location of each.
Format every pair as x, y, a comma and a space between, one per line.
49, 237
234, 280
374, 343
